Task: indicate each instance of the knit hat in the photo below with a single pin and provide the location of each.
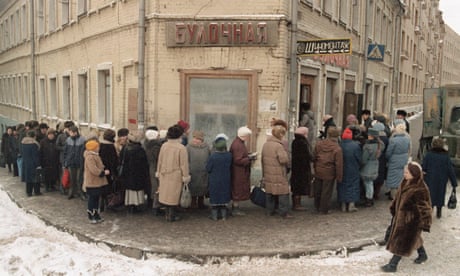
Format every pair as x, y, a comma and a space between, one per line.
184, 125
151, 134
373, 132
197, 134
333, 132
301, 131
221, 135
91, 145
278, 131
351, 119
244, 131
378, 126
175, 132
136, 136
347, 134
220, 144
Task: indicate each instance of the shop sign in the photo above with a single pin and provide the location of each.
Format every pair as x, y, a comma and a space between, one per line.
342, 61
221, 33
324, 47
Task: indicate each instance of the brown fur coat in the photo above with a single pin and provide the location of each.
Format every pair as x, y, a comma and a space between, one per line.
411, 210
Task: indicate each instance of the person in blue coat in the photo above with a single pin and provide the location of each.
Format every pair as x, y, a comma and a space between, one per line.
397, 155
219, 173
438, 169
31, 160
372, 149
348, 191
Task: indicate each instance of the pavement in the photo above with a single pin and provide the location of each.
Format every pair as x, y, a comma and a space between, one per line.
198, 239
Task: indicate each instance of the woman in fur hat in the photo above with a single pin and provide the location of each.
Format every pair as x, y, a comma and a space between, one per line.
439, 169
411, 210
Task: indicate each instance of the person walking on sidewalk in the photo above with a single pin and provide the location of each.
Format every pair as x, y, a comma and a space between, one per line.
411, 211
439, 169
31, 160
328, 164
301, 167
73, 160
172, 171
93, 179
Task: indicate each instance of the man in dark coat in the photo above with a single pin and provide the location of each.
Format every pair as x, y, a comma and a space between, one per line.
439, 169
49, 160
301, 167
30, 155
73, 160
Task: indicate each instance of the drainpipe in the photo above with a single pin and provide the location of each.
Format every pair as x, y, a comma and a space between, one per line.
292, 108
32, 60
141, 67
396, 58
366, 35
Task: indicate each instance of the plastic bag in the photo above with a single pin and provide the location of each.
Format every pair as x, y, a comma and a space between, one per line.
66, 179
185, 197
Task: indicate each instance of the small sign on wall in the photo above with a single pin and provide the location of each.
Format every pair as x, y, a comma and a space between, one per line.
132, 108
268, 106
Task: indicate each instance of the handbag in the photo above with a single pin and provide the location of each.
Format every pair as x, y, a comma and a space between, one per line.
452, 203
258, 195
185, 197
39, 175
65, 178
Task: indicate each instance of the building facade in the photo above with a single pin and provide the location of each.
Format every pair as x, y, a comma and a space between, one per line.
127, 63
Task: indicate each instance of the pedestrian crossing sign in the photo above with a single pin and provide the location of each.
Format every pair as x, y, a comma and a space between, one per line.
376, 52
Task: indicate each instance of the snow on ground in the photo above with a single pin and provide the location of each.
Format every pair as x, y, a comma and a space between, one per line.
29, 247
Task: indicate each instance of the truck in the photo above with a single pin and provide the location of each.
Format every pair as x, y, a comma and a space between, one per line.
441, 118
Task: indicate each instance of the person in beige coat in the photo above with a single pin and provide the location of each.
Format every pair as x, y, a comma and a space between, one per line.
172, 171
94, 177
275, 161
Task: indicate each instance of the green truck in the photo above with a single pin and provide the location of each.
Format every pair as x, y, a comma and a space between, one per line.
441, 118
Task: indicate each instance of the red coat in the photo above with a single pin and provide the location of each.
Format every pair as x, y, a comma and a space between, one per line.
241, 170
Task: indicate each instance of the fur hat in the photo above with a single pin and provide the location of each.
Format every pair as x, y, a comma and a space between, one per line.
221, 135
279, 122
184, 125
301, 131
122, 132
197, 134
175, 132
109, 135
136, 136
365, 112
151, 134
347, 134
438, 143
415, 170
378, 126
373, 132
332, 132
401, 112
244, 131
278, 131
91, 145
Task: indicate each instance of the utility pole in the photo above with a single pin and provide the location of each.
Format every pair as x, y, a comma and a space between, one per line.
292, 108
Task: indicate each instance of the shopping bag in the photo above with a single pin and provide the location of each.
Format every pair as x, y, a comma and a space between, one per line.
452, 203
66, 179
185, 197
258, 195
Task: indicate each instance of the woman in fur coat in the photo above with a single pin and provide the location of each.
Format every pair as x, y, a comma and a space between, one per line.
411, 210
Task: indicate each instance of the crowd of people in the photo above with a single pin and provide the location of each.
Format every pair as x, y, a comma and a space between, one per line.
140, 170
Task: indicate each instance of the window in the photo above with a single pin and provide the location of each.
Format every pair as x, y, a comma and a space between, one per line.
26, 91
14, 98
24, 22
2, 37
328, 7
42, 97
355, 19
83, 97
82, 7
344, 12
20, 92
52, 15
66, 96
65, 12
53, 97
12, 31
41, 17
377, 26
104, 96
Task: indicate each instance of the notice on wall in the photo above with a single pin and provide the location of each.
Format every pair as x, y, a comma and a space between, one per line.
132, 108
268, 106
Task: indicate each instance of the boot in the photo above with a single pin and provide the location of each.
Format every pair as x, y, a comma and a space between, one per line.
438, 212
392, 265
352, 208
97, 217
223, 212
167, 214
91, 217
194, 204
369, 202
201, 204
422, 257
172, 215
296, 206
214, 212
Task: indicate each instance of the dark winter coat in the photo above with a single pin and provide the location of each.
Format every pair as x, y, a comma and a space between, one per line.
301, 166
439, 169
198, 156
382, 174
275, 161
411, 210
73, 151
397, 155
152, 150
219, 171
328, 160
372, 150
109, 157
60, 145
49, 159
30, 159
135, 168
348, 190
241, 170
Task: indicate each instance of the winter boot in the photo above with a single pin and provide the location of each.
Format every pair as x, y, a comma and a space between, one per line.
201, 204
167, 214
343, 207
223, 212
352, 208
214, 212
296, 206
369, 202
194, 204
172, 215
91, 217
422, 257
438, 212
97, 217
392, 265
